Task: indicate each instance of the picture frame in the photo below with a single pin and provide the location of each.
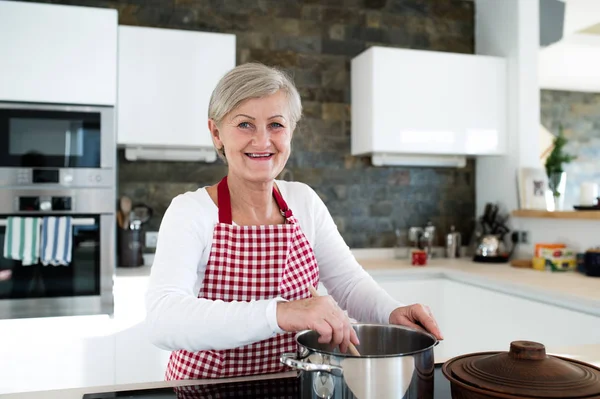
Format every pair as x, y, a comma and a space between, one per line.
534, 191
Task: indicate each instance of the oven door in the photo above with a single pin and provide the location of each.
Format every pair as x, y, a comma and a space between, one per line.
78, 288
56, 136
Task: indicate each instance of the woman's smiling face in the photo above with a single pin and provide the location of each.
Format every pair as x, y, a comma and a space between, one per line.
257, 137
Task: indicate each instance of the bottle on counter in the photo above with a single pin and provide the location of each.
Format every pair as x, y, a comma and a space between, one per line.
453, 243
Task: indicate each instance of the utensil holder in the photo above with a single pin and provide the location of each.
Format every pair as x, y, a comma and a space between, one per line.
130, 248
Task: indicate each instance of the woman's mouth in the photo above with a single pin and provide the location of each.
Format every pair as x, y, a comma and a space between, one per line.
260, 155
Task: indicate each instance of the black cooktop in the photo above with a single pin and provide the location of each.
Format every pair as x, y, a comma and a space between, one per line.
280, 388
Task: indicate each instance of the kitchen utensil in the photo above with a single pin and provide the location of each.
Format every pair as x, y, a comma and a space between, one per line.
587, 208
120, 219
491, 248
525, 263
351, 346
525, 371
414, 236
428, 239
396, 362
142, 212
453, 243
492, 221
591, 260
486, 219
129, 250
135, 224
125, 206
418, 257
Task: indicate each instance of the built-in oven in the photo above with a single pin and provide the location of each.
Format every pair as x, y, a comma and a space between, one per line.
49, 144
81, 286
58, 161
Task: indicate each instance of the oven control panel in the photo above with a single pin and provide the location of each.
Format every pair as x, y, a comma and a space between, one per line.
65, 177
44, 204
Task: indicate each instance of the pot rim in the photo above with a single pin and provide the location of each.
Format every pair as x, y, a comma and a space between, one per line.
349, 355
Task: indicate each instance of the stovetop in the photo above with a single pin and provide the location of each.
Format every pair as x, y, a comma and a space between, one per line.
279, 388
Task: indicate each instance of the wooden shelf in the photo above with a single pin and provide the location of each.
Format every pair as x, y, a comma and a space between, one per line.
579, 215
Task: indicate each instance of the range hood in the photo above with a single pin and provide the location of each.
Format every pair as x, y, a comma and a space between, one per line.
170, 153
407, 111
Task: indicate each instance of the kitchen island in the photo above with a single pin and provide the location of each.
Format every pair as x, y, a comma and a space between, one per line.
557, 292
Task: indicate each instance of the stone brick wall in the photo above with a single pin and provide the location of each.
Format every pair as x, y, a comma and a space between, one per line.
315, 41
579, 113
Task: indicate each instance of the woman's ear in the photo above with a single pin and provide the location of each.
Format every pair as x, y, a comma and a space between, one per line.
214, 133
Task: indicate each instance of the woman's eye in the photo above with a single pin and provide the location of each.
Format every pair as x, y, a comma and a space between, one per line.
244, 125
276, 125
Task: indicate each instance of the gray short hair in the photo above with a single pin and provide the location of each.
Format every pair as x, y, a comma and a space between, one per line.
252, 80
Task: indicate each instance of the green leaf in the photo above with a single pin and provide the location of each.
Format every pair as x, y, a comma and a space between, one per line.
557, 158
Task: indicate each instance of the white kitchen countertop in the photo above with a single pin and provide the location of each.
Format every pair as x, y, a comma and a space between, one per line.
554, 287
572, 288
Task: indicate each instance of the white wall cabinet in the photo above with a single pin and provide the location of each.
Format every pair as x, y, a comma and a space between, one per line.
166, 78
58, 54
427, 103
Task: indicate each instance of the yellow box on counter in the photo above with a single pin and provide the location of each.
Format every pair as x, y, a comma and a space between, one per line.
555, 260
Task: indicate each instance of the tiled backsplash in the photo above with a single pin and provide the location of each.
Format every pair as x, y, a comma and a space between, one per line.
579, 113
315, 41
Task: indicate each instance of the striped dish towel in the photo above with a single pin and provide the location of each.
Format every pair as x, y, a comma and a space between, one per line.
22, 239
57, 241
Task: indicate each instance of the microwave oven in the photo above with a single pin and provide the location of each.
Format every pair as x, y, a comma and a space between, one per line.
57, 144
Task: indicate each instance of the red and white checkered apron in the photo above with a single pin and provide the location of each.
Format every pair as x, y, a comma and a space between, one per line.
250, 263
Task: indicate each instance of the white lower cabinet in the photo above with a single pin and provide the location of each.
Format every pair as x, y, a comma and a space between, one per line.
68, 352
477, 318
136, 358
56, 353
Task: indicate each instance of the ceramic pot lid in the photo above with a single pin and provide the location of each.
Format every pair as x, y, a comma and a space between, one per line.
526, 370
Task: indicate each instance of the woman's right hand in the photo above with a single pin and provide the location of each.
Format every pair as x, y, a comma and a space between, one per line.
321, 314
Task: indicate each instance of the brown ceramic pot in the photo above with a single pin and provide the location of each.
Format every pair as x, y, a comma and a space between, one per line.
523, 372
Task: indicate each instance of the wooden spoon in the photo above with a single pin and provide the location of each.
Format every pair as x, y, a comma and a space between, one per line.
125, 204
351, 346
120, 219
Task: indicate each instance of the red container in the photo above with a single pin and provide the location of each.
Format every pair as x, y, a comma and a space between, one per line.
419, 257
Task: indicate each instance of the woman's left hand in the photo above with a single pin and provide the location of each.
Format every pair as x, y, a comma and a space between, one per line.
416, 316
5, 274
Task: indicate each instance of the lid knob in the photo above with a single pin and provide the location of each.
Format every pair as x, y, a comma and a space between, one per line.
527, 350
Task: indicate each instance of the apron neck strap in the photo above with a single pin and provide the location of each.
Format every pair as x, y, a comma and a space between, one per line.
224, 203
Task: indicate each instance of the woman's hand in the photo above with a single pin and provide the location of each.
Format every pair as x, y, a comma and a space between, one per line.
5, 274
321, 314
416, 316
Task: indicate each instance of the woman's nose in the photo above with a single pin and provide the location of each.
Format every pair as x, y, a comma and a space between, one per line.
262, 137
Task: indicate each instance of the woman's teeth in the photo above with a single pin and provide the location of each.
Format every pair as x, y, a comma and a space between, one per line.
258, 155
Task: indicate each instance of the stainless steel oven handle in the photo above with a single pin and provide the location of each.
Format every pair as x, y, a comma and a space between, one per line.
74, 221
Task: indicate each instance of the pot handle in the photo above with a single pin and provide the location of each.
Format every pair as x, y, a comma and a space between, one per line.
290, 360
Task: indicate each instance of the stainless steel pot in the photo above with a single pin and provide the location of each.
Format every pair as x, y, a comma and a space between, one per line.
395, 362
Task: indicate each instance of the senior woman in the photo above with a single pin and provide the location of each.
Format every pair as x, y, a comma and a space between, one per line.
234, 262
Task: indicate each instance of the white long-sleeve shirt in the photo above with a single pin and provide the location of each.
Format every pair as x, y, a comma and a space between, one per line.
177, 319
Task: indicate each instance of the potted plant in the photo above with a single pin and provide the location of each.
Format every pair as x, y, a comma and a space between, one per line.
557, 178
